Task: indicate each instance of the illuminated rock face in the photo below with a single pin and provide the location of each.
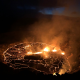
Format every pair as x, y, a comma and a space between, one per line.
38, 56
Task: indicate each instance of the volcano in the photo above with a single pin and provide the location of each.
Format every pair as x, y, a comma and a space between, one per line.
38, 56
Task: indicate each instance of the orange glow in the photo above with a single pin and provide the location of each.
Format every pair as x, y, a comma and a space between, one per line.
29, 53
54, 74
46, 56
63, 53
37, 53
27, 46
54, 50
62, 71
46, 49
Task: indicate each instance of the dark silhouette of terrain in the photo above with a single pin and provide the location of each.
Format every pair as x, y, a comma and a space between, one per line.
9, 73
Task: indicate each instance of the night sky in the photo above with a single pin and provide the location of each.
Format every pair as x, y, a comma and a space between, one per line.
51, 7
19, 11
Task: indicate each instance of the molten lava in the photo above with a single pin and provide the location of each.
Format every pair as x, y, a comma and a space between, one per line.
54, 50
46, 49
63, 53
38, 57
54, 74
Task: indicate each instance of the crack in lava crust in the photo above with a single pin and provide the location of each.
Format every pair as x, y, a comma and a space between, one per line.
38, 56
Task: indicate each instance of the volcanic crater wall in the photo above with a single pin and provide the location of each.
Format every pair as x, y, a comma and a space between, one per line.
61, 32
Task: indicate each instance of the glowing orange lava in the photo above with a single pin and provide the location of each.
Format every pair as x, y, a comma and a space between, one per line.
29, 53
46, 49
45, 53
54, 50
54, 74
63, 53
37, 53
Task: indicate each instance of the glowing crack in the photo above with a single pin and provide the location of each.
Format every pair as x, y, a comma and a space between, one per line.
38, 56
